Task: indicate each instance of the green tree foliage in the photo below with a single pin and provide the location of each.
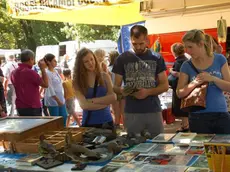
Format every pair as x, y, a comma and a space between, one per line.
10, 29
86, 33
23, 34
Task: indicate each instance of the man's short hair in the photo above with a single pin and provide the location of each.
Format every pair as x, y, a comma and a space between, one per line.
138, 30
26, 55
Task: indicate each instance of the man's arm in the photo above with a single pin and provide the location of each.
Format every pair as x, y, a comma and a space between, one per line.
117, 85
162, 87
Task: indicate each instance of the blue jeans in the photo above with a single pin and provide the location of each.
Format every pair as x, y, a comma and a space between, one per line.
58, 111
29, 111
210, 123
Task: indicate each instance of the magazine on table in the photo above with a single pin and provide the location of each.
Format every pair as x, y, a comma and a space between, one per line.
196, 150
183, 138
181, 160
217, 148
144, 147
163, 138
125, 156
140, 159
199, 139
201, 162
197, 169
154, 168
169, 149
162, 159
111, 167
130, 167
221, 139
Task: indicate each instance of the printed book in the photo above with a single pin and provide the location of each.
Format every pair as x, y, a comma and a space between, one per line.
183, 138
162, 159
161, 149
169, 149
140, 159
201, 162
111, 167
130, 167
153, 168
125, 156
144, 147
29, 160
199, 139
163, 138
196, 150
221, 139
197, 169
217, 148
181, 160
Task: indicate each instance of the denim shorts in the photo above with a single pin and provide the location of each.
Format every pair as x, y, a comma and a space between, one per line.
210, 123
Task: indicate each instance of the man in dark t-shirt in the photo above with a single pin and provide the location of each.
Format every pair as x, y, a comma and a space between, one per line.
144, 69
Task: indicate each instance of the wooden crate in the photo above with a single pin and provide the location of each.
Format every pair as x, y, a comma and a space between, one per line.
14, 129
57, 138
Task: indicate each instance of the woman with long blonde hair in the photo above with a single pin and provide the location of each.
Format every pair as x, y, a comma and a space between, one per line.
213, 70
94, 90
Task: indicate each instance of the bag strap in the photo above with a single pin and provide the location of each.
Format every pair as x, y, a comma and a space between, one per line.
94, 95
194, 68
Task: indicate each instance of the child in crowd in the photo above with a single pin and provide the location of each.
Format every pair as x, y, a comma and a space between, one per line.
69, 97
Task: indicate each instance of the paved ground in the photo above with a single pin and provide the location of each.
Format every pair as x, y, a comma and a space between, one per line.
171, 128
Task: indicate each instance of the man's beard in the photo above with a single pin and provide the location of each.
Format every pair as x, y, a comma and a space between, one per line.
141, 51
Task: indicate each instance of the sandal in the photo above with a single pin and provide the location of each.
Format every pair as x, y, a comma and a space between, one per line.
183, 129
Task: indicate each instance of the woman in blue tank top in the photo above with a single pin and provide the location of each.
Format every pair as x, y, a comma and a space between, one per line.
214, 70
94, 90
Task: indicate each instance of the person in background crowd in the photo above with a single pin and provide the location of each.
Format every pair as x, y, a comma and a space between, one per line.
217, 48
100, 55
145, 71
59, 70
119, 105
94, 90
8, 86
41, 91
3, 110
54, 97
24, 78
65, 62
3, 62
178, 51
214, 70
69, 95
227, 94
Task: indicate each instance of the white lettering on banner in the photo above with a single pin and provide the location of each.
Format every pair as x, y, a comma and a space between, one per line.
25, 7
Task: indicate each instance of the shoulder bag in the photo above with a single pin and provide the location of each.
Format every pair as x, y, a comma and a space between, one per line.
196, 100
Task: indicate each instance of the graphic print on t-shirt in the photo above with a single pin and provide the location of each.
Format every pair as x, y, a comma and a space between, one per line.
141, 74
